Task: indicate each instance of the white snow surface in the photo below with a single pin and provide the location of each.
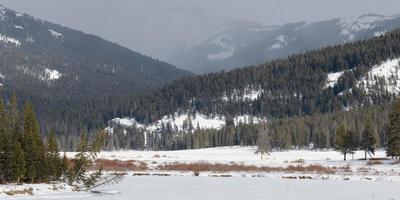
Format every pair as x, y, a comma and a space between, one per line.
332, 79
9, 40
387, 73
248, 94
19, 27
38, 190
281, 42
245, 155
351, 26
181, 122
56, 34
51, 75
379, 33
364, 182
234, 188
222, 42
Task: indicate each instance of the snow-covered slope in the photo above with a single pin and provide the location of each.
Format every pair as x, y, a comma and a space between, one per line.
254, 43
333, 78
382, 77
183, 122
247, 94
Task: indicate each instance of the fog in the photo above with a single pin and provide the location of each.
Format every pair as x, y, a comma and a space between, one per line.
159, 27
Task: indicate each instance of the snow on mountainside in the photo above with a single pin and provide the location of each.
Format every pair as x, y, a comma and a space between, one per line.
182, 122
222, 42
248, 94
351, 26
56, 34
256, 43
386, 75
51, 74
281, 42
5, 40
332, 79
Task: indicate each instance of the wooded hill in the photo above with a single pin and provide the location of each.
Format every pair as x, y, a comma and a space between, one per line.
294, 97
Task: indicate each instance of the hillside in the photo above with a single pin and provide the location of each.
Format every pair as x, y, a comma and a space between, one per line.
249, 43
60, 69
306, 91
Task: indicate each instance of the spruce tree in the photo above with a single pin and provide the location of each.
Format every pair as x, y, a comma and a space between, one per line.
18, 162
393, 146
53, 160
369, 138
345, 142
33, 146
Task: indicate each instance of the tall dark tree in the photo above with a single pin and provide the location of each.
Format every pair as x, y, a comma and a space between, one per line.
393, 147
53, 158
369, 138
345, 142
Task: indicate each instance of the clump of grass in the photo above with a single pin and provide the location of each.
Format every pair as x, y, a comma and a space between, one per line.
374, 162
299, 161
118, 165
207, 167
28, 191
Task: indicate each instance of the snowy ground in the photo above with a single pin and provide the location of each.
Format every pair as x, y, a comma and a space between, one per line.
363, 181
236, 188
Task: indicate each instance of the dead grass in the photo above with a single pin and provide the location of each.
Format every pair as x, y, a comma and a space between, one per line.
374, 162
118, 165
28, 191
298, 161
207, 167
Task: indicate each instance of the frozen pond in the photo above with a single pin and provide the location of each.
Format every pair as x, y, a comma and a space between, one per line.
236, 188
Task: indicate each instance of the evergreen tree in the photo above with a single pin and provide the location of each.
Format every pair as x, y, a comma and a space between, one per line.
369, 138
18, 162
345, 142
393, 147
53, 160
33, 147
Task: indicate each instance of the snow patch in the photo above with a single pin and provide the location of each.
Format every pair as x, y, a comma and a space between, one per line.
51, 75
281, 42
222, 42
385, 76
379, 33
186, 122
332, 79
19, 27
248, 94
9, 40
56, 34
351, 26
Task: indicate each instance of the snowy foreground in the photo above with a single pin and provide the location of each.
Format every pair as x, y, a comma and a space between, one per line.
361, 180
236, 188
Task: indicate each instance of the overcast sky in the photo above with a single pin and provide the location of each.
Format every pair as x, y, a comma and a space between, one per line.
154, 26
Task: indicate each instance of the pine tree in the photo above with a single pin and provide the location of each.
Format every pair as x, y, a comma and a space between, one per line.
345, 142
18, 162
393, 147
53, 160
369, 138
64, 166
33, 146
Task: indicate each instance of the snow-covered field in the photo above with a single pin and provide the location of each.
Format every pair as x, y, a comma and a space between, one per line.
384, 170
236, 188
363, 181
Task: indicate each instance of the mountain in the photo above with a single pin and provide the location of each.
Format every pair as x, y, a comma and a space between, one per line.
249, 43
60, 69
297, 95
